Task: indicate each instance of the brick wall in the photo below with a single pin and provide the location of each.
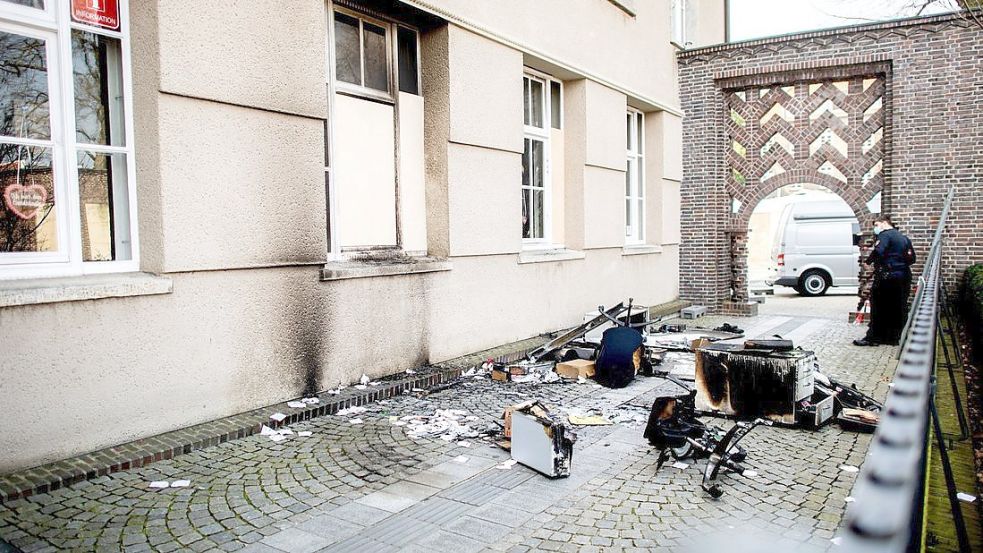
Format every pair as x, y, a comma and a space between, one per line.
932, 74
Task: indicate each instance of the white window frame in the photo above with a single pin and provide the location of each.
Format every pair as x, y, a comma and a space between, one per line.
335, 85
635, 191
531, 132
55, 24
391, 68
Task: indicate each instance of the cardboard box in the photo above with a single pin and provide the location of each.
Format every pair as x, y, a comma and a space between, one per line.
575, 369
507, 415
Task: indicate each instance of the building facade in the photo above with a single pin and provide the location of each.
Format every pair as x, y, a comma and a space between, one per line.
214, 206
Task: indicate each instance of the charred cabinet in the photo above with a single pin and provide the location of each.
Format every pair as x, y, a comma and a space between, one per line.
747, 383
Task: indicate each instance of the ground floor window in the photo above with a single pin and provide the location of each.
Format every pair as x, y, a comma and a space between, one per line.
635, 179
542, 99
66, 185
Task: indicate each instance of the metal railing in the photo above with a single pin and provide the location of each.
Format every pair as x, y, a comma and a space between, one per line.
886, 516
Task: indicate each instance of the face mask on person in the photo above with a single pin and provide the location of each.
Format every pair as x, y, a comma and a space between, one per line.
877, 230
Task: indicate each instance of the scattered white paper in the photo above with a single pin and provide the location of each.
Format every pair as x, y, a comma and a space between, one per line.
355, 421
305, 433
966, 497
311, 400
399, 423
507, 465
597, 386
418, 390
351, 411
278, 437
360, 386
374, 383
266, 431
461, 459
836, 540
447, 437
680, 465
464, 443
581, 380
180, 483
160, 484
849, 499
334, 392
849, 468
364, 380
410, 371
750, 473
285, 431
278, 417
296, 404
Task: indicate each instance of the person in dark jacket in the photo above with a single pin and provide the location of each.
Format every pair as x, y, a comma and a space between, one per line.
892, 257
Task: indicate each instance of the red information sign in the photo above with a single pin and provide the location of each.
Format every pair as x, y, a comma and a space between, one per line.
98, 13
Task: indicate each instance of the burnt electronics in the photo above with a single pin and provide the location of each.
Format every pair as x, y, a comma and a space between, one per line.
758, 381
639, 316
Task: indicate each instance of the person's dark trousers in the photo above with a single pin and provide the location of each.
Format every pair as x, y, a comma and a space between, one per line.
888, 309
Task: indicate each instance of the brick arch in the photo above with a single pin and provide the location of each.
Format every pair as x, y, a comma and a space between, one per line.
857, 200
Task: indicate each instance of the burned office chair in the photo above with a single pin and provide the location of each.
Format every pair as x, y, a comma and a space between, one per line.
674, 429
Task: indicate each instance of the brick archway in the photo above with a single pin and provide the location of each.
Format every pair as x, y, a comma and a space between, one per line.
825, 126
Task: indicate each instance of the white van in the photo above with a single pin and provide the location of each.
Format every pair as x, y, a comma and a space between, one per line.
815, 247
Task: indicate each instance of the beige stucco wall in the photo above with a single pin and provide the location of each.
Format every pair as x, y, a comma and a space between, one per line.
241, 52
238, 187
594, 34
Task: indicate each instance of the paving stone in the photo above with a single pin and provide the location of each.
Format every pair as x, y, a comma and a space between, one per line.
296, 540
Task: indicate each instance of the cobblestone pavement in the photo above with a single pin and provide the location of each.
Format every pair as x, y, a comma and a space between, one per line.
369, 486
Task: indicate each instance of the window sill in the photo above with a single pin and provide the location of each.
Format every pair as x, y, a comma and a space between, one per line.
80, 288
641, 249
344, 270
546, 256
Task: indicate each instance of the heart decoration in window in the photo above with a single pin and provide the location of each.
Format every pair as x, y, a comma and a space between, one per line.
25, 201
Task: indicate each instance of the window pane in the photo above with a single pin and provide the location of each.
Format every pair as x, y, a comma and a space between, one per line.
628, 217
630, 177
536, 226
639, 132
348, 60
640, 223
526, 108
526, 208
376, 61
23, 87
39, 4
104, 206
628, 127
27, 220
97, 69
408, 73
555, 104
536, 104
526, 163
538, 164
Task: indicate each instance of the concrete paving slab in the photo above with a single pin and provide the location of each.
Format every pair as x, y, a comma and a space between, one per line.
295, 540
359, 514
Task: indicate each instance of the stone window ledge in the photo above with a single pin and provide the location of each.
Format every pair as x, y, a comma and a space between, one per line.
78, 288
343, 270
641, 249
546, 256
